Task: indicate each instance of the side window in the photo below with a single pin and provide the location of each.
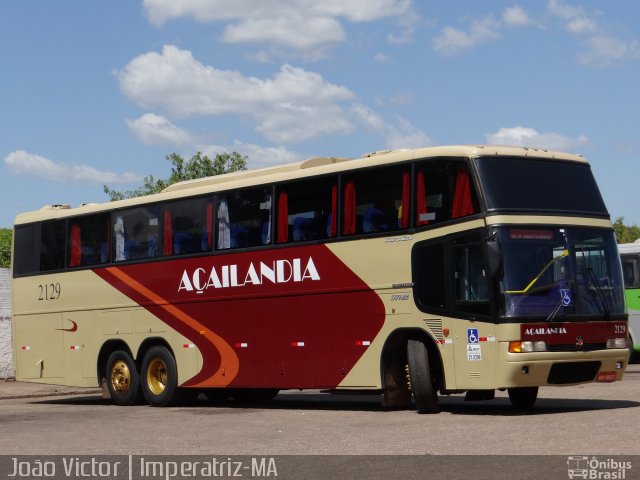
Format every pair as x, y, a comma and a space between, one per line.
376, 201
306, 210
631, 271
187, 227
136, 234
443, 191
244, 218
88, 240
53, 238
470, 277
429, 275
25, 249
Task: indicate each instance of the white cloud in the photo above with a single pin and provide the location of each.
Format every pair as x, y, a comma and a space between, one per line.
602, 49
452, 41
564, 10
401, 135
300, 24
529, 137
152, 129
293, 105
25, 163
405, 135
515, 17
259, 156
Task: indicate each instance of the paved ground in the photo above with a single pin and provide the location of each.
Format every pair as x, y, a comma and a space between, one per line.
13, 389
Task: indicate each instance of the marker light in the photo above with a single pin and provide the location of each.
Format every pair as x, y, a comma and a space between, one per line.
527, 346
617, 343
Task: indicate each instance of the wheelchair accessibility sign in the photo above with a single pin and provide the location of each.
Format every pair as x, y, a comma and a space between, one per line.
472, 335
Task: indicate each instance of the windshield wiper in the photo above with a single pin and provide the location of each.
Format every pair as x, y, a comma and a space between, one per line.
561, 303
596, 285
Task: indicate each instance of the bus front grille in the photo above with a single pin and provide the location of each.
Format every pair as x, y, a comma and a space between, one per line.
573, 372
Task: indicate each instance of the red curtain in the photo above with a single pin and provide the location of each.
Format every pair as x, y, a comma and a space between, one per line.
406, 200
421, 200
283, 218
209, 225
76, 246
462, 202
167, 248
349, 223
333, 227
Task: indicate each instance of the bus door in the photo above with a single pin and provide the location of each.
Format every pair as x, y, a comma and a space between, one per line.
474, 333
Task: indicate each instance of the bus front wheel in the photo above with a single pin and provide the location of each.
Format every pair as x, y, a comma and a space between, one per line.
123, 379
422, 385
159, 377
523, 397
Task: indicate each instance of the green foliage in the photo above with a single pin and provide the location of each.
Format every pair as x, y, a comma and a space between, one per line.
198, 167
625, 233
5, 247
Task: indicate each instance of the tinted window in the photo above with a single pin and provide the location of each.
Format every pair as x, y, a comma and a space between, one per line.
136, 234
530, 184
470, 277
307, 210
88, 240
376, 201
25, 249
187, 227
53, 239
244, 218
429, 275
443, 190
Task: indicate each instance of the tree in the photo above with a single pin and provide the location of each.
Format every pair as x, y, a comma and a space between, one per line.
198, 167
625, 233
5, 247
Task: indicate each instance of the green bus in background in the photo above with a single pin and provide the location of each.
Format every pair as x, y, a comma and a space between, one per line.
630, 256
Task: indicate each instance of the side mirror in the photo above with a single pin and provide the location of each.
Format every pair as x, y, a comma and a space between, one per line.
494, 259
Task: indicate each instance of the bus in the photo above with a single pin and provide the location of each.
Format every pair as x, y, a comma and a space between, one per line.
408, 274
630, 257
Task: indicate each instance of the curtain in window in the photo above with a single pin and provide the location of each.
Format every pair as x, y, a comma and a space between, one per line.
462, 202
283, 218
118, 230
167, 246
406, 201
421, 200
333, 220
224, 231
209, 225
76, 246
349, 223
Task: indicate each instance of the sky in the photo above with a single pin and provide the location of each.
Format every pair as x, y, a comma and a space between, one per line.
95, 93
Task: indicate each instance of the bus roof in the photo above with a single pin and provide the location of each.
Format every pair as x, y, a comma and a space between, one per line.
316, 166
629, 247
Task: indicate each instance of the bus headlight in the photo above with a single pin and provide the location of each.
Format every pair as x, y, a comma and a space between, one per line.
527, 346
617, 343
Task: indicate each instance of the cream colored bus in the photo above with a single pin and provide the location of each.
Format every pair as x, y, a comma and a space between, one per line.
409, 273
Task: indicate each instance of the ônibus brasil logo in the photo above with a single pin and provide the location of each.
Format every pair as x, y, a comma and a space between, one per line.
226, 276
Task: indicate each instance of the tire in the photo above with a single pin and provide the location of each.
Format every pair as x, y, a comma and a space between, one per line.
123, 379
422, 385
159, 377
523, 397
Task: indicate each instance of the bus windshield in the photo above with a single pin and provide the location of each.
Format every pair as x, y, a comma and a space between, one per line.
549, 185
553, 272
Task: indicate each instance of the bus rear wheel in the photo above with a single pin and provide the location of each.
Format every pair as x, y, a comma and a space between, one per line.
422, 381
123, 379
159, 377
523, 397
